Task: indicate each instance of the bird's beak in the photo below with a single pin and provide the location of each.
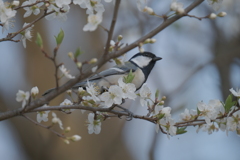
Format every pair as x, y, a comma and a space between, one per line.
157, 58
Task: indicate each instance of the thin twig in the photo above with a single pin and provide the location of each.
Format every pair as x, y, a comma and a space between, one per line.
114, 19
46, 127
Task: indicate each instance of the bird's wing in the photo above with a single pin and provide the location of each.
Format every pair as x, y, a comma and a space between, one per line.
116, 70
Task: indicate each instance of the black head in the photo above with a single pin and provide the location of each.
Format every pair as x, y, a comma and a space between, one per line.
145, 61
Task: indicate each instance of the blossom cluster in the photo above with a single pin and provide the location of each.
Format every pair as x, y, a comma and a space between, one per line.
208, 117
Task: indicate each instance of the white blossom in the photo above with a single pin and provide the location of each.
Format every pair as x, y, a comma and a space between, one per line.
94, 126
65, 72
145, 93
35, 9
233, 122
60, 13
166, 111
26, 34
113, 96
157, 109
188, 115
169, 123
128, 89
90, 5
236, 92
93, 21
66, 102
42, 116
61, 3
55, 119
210, 128
216, 4
6, 14
94, 69
23, 97
177, 7
207, 111
15, 3
92, 90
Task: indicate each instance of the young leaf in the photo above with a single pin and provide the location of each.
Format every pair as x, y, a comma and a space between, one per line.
156, 94
229, 103
181, 130
117, 61
59, 37
129, 77
78, 52
39, 40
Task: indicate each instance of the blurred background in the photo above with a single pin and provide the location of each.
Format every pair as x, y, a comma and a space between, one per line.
201, 61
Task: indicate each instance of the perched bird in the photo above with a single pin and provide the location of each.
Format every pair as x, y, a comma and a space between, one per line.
141, 64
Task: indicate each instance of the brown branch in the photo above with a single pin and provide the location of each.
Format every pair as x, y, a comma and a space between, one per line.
110, 33
43, 126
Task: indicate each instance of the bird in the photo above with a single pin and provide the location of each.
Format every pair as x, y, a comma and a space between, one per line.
141, 65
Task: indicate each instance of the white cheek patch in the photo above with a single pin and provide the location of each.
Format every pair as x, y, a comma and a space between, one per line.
141, 61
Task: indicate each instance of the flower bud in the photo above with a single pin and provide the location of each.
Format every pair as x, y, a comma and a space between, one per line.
180, 11
47, 4
147, 41
161, 103
164, 98
120, 37
212, 16
148, 10
76, 138
153, 40
70, 55
34, 92
66, 141
68, 129
222, 14
79, 64
92, 61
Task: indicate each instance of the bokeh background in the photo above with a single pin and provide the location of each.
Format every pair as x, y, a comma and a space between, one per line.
200, 62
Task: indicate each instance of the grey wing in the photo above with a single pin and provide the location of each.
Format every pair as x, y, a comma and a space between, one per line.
116, 70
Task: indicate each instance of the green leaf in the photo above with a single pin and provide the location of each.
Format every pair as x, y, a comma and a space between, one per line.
229, 103
39, 40
129, 78
156, 94
181, 130
160, 116
78, 52
59, 37
117, 61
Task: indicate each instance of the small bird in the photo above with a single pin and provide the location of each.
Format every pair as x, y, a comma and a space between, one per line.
141, 64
